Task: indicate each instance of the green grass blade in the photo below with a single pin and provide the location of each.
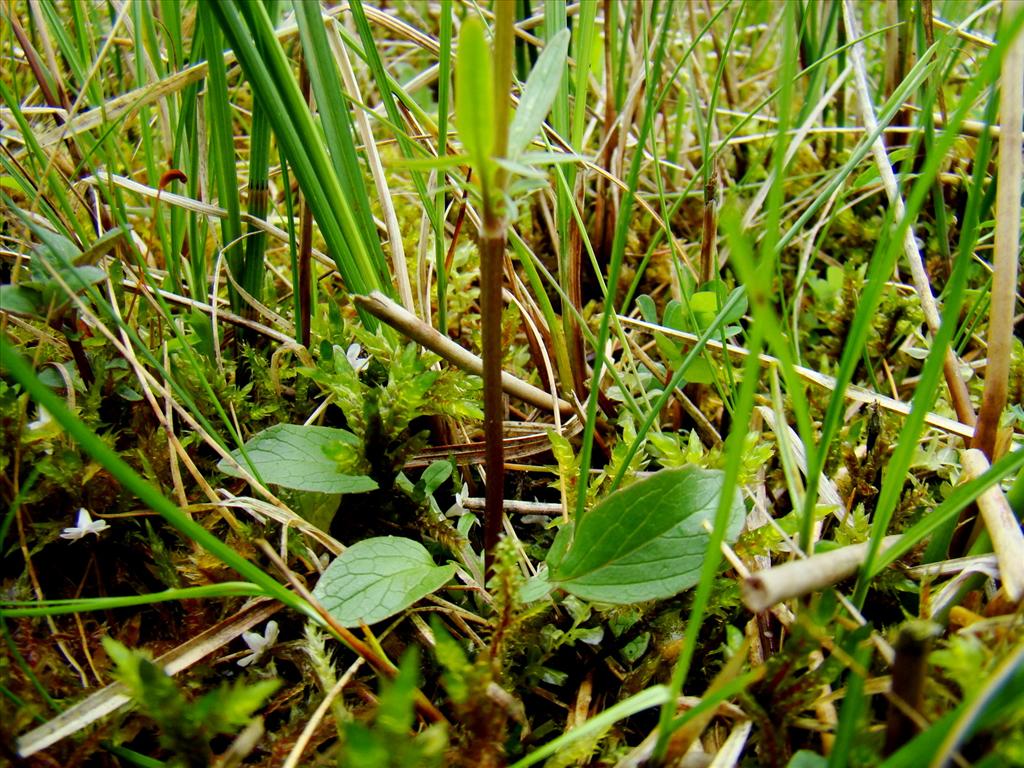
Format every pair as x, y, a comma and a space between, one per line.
735, 443
221, 151
387, 89
271, 78
925, 393
339, 132
17, 609
650, 697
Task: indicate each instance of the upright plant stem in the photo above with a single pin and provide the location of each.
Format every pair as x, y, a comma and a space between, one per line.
1007, 245
443, 97
492, 249
304, 274
492, 257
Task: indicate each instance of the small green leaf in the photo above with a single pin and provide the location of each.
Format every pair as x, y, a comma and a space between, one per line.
101, 247
675, 316
648, 310
669, 350
79, 278
377, 578
435, 475
295, 456
231, 706
55, 248
21, 300
704, 305
396, 712
807, 759
647, 541
699, 371
535, 588
474, 95
452, 658
539, 93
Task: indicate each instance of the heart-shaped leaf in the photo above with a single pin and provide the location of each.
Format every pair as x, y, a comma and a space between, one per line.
647, 541
296, 456
377, 578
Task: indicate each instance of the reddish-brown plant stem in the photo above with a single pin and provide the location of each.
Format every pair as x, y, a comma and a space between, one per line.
492, 246
492, 260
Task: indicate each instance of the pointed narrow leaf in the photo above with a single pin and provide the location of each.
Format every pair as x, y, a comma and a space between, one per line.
377, 578
646, 541
474, 94
294, 456
539, 93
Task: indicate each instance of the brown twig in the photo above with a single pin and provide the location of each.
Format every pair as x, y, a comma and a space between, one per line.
909, 672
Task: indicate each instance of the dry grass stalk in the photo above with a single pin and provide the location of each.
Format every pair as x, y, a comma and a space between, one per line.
1002, 525
763, 589
385, 309
1007, 244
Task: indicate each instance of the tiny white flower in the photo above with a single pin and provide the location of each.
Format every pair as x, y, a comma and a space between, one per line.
352, 354
43, 418
258, 644
458, 509
43, 428
84, 525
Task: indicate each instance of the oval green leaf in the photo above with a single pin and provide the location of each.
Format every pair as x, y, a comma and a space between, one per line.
377, 578
295, 456
21, 300
647, 541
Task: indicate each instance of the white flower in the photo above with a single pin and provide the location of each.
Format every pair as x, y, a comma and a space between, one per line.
43, 428
85, 525
458, 509
43, 418
258, 644
352, 355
